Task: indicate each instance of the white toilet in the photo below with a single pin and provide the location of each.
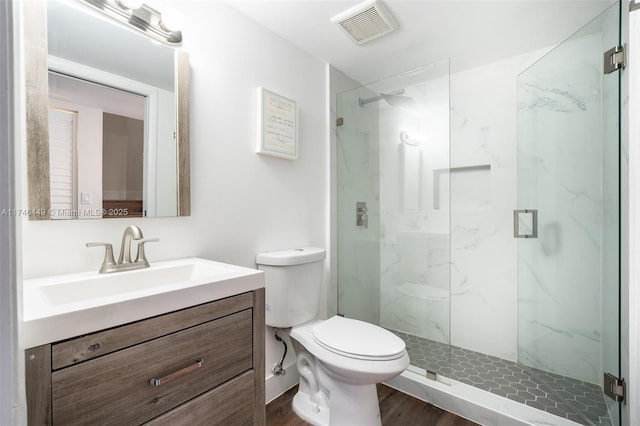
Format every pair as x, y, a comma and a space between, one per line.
340, 360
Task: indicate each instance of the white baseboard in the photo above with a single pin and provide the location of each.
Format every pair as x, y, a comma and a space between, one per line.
277, 385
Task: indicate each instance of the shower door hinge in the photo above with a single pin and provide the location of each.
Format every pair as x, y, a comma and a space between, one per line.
614, 387
614, 59
633, 5
339, 121
362, 218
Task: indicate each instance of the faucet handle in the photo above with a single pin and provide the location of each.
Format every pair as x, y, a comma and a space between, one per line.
108, 255
141, 257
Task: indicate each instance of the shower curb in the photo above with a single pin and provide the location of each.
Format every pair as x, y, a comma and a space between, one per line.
474, 404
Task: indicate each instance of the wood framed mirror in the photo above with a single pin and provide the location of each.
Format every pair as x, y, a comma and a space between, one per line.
99, 90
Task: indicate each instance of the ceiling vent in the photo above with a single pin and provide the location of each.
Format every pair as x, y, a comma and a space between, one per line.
366, 21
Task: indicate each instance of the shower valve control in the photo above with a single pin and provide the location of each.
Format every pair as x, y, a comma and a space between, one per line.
362, 219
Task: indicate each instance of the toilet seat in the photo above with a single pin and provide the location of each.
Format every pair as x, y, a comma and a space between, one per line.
358, 339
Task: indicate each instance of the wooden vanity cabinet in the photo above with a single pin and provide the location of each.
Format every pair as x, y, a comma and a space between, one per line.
203, 365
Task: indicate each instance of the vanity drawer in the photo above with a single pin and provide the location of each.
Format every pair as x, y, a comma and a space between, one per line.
230, 404
115, 389
104, 342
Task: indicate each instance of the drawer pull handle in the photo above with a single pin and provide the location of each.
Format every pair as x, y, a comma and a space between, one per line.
177, 374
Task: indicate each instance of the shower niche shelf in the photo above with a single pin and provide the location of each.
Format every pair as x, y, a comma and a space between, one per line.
469, 187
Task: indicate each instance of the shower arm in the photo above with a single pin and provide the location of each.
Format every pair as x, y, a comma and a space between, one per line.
363, 102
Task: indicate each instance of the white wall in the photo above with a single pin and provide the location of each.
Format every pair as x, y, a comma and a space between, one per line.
89, 161
242, 203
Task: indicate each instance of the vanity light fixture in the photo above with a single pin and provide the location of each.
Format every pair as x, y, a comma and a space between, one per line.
171, 19
144, 18
130, 4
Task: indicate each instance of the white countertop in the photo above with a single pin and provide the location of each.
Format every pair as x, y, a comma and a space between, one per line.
64, 306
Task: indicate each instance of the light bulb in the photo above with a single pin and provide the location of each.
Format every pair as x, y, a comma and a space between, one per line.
130, 4
172, 19
413, 138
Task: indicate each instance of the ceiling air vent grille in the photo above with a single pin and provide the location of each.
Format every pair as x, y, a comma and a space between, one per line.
366, 21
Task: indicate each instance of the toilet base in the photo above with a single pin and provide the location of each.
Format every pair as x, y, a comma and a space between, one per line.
309, 411
349, 406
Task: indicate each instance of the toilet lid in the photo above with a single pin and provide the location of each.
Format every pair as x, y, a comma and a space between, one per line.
358, 339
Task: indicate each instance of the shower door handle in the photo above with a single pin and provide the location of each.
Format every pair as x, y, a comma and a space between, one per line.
533, 223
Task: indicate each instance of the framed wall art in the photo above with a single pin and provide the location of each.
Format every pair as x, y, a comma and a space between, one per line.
277, 125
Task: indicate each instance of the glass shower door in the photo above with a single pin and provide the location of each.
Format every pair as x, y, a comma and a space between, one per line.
568, 221
393, 215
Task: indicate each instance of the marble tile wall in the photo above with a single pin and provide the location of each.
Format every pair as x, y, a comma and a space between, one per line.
483, 250
414, 288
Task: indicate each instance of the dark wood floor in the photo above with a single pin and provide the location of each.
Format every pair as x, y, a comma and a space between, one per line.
396, 409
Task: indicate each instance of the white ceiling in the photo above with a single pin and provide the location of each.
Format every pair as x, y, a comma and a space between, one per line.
469, 32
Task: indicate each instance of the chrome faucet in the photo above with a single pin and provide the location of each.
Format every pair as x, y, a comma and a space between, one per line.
125, 263
131, 232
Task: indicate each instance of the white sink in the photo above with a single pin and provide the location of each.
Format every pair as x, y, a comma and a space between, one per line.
64, 306
69, 289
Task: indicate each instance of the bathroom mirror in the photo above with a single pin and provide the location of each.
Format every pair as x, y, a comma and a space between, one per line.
107, 117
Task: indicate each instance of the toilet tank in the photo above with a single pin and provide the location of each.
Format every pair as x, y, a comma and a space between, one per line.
293, 280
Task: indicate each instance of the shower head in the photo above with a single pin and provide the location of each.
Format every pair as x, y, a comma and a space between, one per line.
394, 98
